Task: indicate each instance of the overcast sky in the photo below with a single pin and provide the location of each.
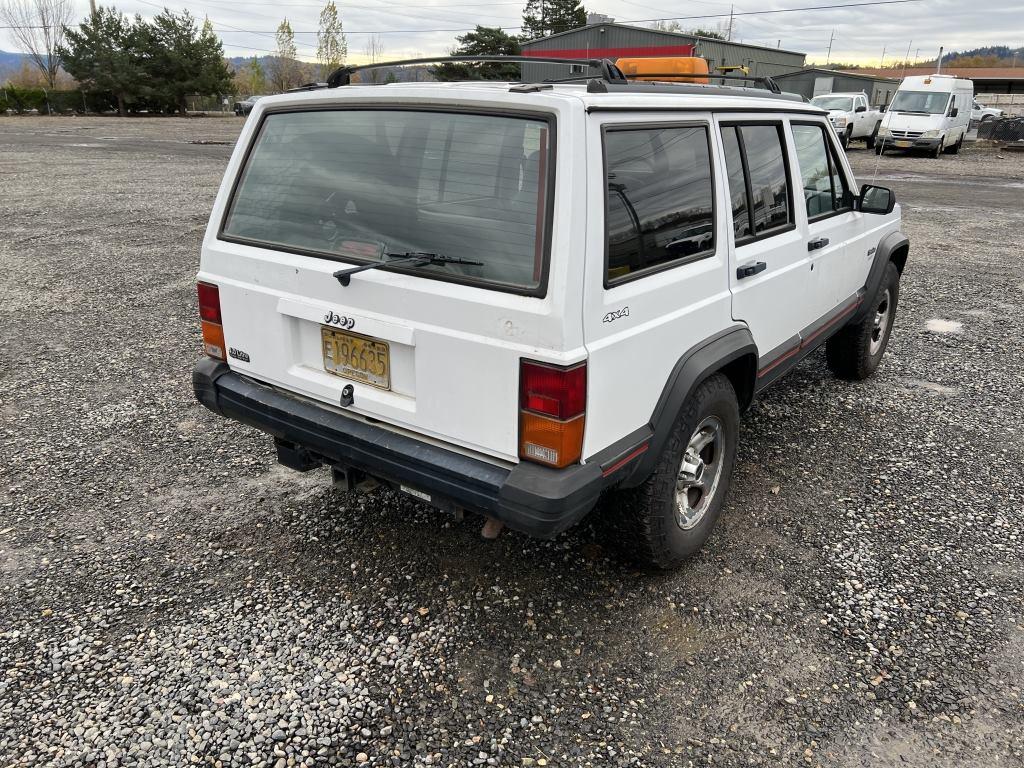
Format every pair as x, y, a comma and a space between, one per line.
405, 26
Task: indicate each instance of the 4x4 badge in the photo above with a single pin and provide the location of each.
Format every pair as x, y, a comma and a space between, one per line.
333, 318
616, 314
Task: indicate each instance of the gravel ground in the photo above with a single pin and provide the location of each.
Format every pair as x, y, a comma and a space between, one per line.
170, 596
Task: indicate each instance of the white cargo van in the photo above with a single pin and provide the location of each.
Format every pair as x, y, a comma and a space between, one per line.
931, 113
518, 298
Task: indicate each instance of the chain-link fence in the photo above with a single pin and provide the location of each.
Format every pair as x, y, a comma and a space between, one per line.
46, 102
1005, 129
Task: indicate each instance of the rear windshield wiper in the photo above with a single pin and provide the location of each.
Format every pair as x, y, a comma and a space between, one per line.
410, 258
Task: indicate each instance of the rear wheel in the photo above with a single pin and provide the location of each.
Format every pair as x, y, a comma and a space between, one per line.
855, 352
670, 516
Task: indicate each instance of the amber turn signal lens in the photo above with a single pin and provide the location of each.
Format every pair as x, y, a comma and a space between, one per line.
213, 340
549, 441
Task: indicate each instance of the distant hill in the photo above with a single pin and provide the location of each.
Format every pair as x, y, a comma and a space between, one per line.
998, 51
10, 61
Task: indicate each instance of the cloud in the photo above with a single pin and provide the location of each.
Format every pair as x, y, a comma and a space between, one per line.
408, 28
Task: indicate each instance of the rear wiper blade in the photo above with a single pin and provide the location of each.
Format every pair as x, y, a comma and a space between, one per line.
410, 258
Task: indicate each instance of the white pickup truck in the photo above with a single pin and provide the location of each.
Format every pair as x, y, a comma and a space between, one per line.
851, 116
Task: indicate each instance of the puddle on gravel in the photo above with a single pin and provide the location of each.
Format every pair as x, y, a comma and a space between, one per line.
931, 386
938, 325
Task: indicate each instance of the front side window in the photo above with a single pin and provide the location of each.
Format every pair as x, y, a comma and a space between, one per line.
659, 198
760, 151
357, 185
825, 188
920, 102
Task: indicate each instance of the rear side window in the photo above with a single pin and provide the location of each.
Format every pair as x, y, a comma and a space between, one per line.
825, 188
756, 154
659, 200
356, 185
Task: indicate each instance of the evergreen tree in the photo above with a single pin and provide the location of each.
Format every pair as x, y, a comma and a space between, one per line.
103, 54
331, 46
250, 78
549, 17
181, 59
483, 41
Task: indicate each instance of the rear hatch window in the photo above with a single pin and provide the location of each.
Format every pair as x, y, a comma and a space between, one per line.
363, 185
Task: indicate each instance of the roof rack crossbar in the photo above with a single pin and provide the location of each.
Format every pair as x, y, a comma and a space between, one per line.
764, 80
608, 71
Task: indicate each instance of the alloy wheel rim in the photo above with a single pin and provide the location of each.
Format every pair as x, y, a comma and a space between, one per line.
880, 325
699, 472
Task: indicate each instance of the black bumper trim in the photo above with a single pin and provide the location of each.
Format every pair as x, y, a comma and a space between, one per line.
536, 500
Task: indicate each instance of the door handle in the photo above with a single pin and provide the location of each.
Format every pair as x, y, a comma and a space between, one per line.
750, 269
820, 242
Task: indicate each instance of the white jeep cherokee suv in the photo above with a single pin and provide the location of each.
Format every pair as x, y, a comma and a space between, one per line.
517, 298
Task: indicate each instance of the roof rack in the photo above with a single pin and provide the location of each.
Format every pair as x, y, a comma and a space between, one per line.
608, 71
764, 80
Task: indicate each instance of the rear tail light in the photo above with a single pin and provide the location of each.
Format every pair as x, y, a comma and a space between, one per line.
552, 402
209, 315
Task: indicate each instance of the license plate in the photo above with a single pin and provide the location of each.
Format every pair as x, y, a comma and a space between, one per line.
904, 143
356, 357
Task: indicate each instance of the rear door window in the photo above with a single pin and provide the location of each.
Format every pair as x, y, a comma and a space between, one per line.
356, 185
659, 198
755, 153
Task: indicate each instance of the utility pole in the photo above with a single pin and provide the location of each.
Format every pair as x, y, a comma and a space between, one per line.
92, 7
938, 68
828, 55
906, 60
729, 34
881, 64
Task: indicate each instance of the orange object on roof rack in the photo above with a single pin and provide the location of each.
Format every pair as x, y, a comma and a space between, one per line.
684, 69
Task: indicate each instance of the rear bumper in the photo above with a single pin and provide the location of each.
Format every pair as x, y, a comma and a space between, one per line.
533, 499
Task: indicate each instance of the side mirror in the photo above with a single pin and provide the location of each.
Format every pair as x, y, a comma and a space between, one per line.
861, 108
874, 199
954, 112
882, 108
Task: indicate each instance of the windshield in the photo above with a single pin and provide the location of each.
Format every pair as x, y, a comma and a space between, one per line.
843, 103
920, 101
353, 185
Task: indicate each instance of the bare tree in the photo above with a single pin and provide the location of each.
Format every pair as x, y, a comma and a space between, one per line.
374, 52
38, 28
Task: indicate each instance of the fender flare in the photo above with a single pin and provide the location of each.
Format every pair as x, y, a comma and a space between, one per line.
887, 246
697, 364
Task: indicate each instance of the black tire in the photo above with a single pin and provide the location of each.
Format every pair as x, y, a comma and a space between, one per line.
847, 135
880, 148
955, 149
855, 351
939, 150
645, 518
874, 134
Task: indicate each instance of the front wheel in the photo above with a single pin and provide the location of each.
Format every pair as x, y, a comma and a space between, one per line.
938, 151
669, 517
955, 149
845, 141
855, 352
